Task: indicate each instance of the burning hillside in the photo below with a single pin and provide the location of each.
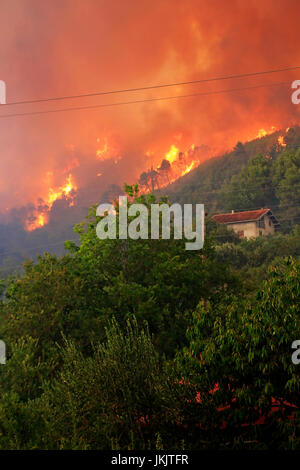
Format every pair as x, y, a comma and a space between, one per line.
113, 47
174, 164
39, 215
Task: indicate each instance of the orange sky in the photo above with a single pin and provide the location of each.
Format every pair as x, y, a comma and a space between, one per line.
63, 47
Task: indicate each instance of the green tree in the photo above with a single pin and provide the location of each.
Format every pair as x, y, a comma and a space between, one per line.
286, 180
119, 397
242, 354
252, 187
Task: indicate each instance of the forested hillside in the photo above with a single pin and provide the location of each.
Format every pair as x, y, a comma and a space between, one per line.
260, 173
241, 179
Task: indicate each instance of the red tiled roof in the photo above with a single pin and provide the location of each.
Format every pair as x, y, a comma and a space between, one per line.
233, 217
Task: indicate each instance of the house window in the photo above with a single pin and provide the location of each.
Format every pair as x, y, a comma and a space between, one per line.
261, 223
240, 233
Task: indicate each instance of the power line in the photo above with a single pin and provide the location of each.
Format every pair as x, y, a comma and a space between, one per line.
152, 87
147, 100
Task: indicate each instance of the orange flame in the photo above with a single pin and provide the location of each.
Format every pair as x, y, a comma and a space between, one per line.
41, 217
180, 164
281, 141
172, 155
263, 132
107, 149
39, 221
189, 168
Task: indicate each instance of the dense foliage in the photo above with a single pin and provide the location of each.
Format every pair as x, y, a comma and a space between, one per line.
125, 344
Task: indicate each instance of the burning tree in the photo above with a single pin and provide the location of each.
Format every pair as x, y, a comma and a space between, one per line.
164, 169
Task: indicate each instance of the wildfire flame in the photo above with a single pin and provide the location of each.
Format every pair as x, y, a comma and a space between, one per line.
64, 190
107, 149
263, 132
171, 156
189, 168
40, 217
175, 164
281, 141
101, 153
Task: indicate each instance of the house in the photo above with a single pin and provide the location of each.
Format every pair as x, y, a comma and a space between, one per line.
249, 223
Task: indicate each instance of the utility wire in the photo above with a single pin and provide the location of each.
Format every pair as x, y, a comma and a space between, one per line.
147, 100
152, 87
